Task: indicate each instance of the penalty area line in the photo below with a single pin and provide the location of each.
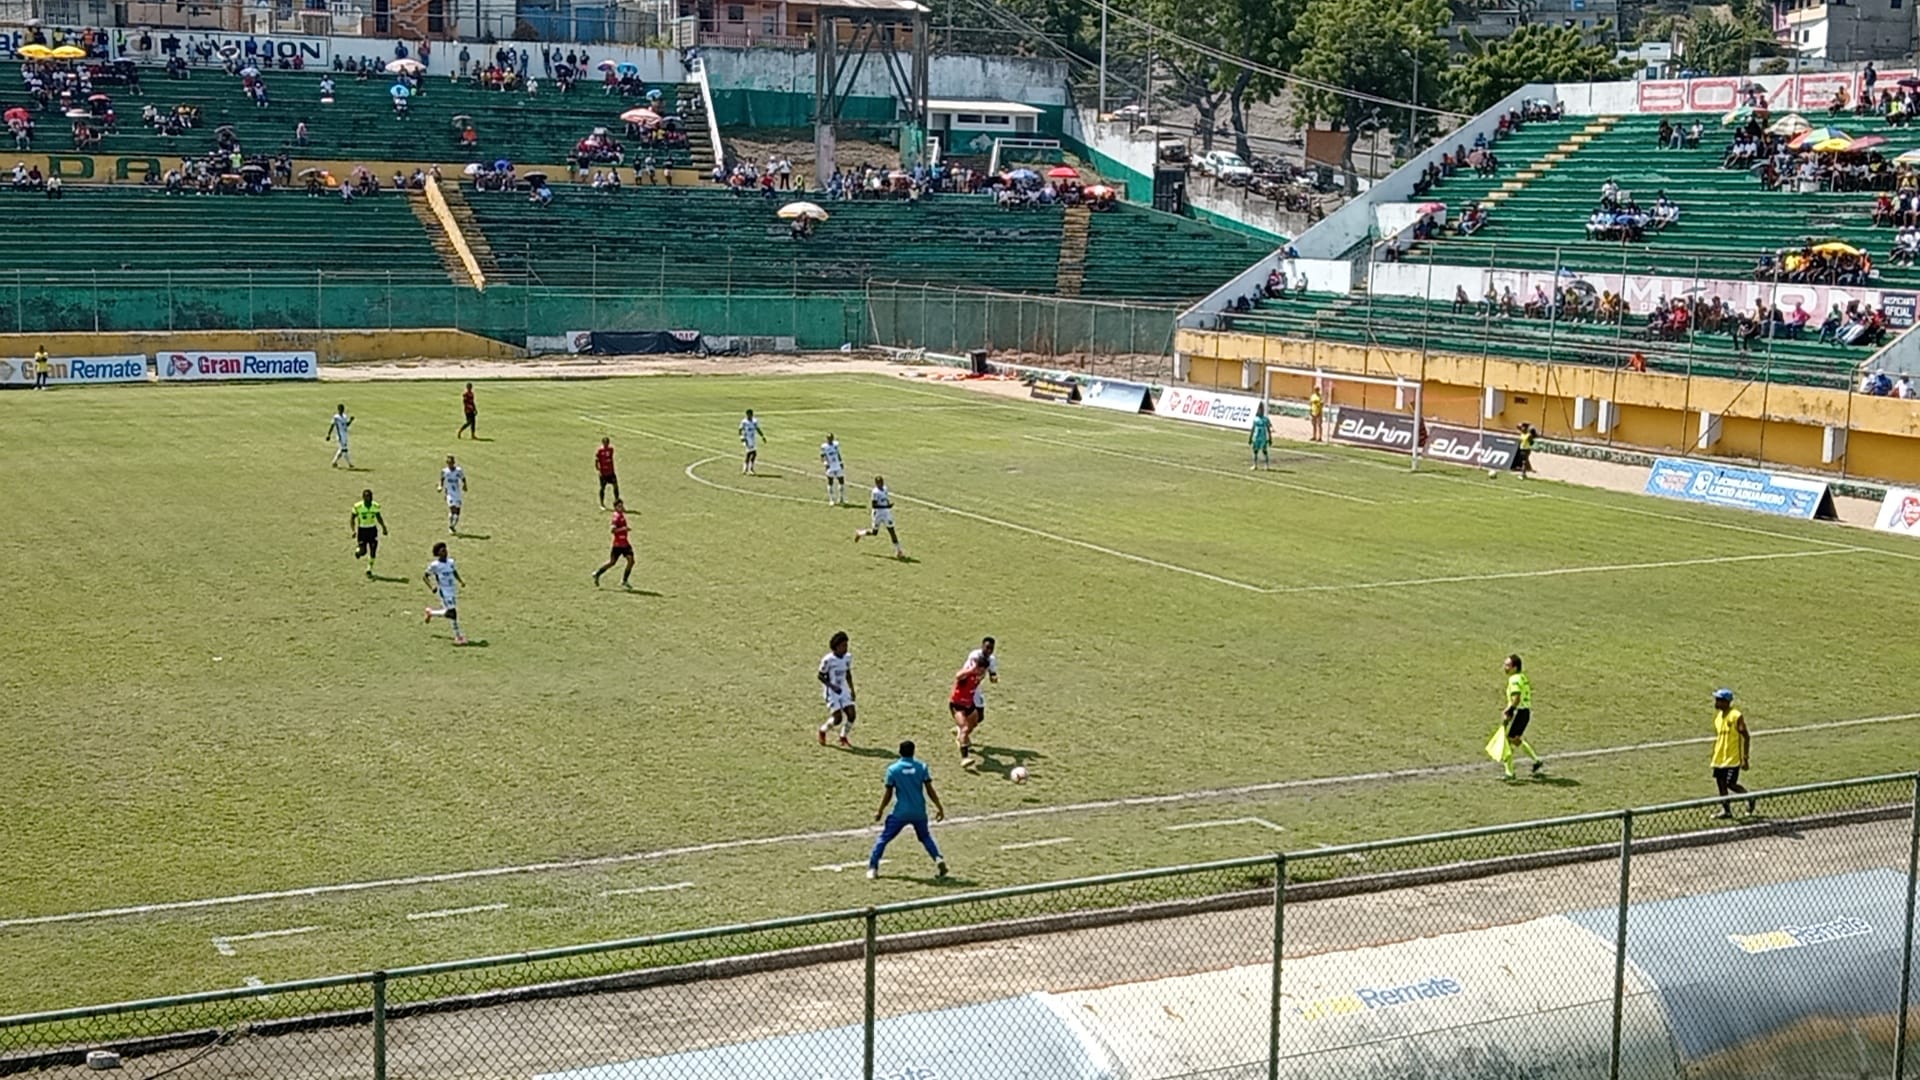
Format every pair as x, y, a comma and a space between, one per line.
1415, 772
1563, 571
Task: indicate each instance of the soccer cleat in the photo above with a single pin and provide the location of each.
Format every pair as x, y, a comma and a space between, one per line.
460, 641
823, 736
939, 868
1751, 805
1723, 815
1537, 766
872, 873
857, 534
844, 744
596, 581
369, 571
428, 612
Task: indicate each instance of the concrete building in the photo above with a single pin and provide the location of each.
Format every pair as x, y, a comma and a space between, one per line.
1841, 32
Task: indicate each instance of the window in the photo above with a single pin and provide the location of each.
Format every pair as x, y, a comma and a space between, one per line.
382, 16
999, 121
736, 13
972, 119
436, 16
769, 23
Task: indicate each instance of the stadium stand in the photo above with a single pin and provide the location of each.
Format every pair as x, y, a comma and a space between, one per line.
361, 124
142, 229
686, 238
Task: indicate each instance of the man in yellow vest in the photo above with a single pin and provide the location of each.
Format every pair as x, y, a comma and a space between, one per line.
1316, 409
1730, 744
41, 368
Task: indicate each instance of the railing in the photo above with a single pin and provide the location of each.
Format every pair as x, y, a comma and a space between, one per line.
1642, 943
1118, 339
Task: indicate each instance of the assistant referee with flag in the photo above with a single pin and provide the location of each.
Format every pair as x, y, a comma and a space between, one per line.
1513, 722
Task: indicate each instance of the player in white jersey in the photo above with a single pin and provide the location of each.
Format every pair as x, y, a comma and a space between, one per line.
836, 472
750, 436
337, 426
444, 580
882, 502
453, 481
836, 684
968, 702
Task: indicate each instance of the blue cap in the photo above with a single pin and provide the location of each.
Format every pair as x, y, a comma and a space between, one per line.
1723, 694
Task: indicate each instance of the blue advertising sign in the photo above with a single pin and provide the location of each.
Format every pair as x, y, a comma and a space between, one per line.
1744, 489
1119, 396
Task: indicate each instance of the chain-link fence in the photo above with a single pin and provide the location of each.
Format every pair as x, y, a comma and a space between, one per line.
1776, 941
1117, 339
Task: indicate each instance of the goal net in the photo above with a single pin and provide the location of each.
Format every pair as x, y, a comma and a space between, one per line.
1381, 411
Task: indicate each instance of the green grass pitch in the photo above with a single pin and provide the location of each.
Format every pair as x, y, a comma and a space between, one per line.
205, 697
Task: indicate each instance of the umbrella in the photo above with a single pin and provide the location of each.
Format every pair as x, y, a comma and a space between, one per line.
229, 50
405, 66
642, 117
1431, 208
1063, 172
223, 129
69, 52
253, 167
1790, 124
1910, 82
1866, 142
1023, 174
474, 168
627, 69
77, 114
653, 95
1816, 135
1099, 191
1829, 146
535, 179
1737, 116
502, 165
606, 65
36, 52
99, 97
22, 115
802, 210
599, 131
306, 173
399, 91
1911, 157
461, 118
250, 71
1836, 247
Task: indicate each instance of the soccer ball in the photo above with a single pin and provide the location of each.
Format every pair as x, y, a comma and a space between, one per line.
1018, 775
1493, 474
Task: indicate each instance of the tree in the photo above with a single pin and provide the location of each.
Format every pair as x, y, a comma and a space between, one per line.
1377, 47
1257, 30
1724, 44
1532, 54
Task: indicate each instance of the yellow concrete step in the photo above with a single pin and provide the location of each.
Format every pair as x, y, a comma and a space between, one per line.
1554, 158
1527, 174
1511, 186
1497, 196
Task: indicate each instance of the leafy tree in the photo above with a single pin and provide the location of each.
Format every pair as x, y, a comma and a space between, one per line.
1372, 47
1533, 53
1259, 30
1724, 44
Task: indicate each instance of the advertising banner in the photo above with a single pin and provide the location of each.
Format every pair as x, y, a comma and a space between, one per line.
1234, 411
1744, 489
188, 367
1438, 442
1900, 512
1119, 396
1899, 309
1064, 391
70, 370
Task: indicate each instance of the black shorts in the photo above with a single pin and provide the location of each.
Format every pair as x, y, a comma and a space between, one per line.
471, 413
1521, 459
608, 478
368, 535
1517, 724
619, 550
1727, 777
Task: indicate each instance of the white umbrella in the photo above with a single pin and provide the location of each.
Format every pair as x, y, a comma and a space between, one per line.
474, 168
405, 67
1790, 124
803, 210
1911, 157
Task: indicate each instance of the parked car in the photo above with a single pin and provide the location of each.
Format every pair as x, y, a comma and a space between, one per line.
1226, 165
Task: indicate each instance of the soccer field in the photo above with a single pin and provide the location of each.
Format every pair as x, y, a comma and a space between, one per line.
205, 698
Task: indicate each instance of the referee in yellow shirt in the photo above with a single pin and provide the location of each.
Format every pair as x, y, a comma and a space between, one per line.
1730, 744
1518, 715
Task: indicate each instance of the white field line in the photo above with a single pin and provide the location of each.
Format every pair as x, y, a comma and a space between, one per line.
675, 887
957, 512
224, 944
716, 485
454, 912
1024, 844
1224, 822
831, 410
842, 867
1255, 477
1561, 571
1415, 772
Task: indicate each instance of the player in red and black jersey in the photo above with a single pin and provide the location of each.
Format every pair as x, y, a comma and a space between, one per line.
603, 463
467, 406
622, 547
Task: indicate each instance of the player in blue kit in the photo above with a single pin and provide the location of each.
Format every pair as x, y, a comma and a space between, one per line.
909, 786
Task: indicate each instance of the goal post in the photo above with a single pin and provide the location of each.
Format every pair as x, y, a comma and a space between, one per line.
1279, 382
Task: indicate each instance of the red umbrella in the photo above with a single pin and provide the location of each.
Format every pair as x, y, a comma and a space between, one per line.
1866, 142
16, 113
1063, 172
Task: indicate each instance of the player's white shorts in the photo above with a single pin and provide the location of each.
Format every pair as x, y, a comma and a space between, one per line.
882, 518
837, 698
448, 599
835, 472
453, 499
752, 444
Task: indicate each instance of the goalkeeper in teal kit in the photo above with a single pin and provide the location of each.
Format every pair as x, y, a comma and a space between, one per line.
1260, 438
